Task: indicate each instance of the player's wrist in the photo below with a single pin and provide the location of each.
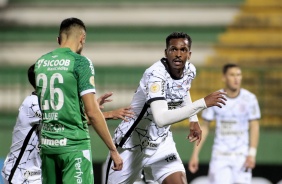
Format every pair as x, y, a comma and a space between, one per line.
252, 152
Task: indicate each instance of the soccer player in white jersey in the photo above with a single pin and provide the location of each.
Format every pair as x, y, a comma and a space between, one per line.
23, 163
234, 148
162, 98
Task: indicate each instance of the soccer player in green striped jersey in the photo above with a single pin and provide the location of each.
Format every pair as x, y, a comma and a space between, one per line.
66, 90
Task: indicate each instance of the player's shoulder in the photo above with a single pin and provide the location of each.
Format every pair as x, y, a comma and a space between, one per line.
157, 67
31, 99
247, 93
190, 68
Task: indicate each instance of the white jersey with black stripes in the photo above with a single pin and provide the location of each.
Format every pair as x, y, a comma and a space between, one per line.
22, 164
156, 84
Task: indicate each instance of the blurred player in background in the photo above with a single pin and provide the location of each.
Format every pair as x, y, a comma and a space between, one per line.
66, 90
23, 163
162, 99
234, 148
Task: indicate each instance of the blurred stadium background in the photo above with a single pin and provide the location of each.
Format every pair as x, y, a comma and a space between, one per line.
124, 37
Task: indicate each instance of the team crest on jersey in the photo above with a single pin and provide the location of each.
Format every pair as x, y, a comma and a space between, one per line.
91, 80
155, 87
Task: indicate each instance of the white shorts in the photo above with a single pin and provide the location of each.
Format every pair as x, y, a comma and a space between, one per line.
156, 167
229, 169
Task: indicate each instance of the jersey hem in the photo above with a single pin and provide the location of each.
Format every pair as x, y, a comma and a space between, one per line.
87, 91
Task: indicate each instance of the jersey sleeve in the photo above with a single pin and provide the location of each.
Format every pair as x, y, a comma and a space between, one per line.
208, 114
254, 110
153, 85
85, 76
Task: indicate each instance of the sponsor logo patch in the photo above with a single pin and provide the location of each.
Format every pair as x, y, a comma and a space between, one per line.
78, 171
27, 174
91, 80
170, 157
54, 142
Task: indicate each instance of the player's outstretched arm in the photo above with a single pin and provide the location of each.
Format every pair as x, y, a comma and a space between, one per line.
163, 116
193, 164
121, 113
98, 122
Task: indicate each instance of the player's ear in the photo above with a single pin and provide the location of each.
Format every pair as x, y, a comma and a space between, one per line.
59, 40
82, 39
165, 52
189, 55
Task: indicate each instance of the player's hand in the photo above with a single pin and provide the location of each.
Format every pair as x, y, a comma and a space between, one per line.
104, 99
195, 133
193, 164
215, 99
250, 162
122, 113
118, 162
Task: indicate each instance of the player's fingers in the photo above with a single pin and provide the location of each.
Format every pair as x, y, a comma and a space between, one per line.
193, 139
123, 118
108, 100
117, 167
218, 105
221, 101
129, 114
107, 95
188, 136
128, 108
222, 97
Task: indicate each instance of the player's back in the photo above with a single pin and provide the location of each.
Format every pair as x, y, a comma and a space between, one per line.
64, 123
25, 140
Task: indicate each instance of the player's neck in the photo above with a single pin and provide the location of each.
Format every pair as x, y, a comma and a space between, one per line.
176, 74
72, 45
232, 93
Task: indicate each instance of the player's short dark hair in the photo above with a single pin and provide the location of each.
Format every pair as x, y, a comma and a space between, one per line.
175, 35
69, 23
226, 67
31, 75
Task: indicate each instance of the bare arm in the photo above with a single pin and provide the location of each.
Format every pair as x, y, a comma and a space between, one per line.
254, 139
194, 160
97, 120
